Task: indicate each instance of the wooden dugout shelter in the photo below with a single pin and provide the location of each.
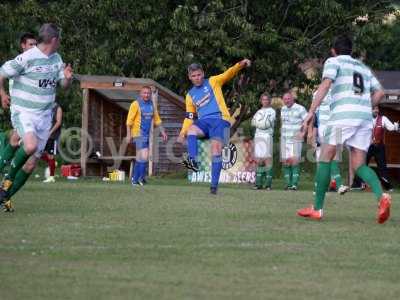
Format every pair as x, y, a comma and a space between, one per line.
390, 107
105, 106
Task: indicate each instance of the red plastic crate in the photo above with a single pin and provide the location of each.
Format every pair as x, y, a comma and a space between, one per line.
71, 170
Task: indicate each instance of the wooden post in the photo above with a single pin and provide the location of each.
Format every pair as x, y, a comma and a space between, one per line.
154, 98
102, 127
85, 127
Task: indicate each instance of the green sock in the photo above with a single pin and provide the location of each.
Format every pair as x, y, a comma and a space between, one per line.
296, 175
18, 161
287, 170
335, 173
268, 174
322, 179
5, 155
18, 182
315, 179
264, 177
369, 177
260, 176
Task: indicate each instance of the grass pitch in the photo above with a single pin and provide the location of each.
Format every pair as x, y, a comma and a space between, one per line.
172, 240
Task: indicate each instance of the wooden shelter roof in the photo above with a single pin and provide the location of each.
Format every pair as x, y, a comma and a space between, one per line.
124, 95
390, 80
122, 98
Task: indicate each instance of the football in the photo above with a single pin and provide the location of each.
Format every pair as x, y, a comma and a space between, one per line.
261, 120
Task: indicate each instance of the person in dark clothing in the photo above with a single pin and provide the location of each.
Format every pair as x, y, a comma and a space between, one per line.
50, 150
377, 149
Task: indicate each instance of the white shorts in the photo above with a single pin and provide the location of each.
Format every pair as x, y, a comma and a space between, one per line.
263, 146
317, 153
37, 123
358, 137
290, 149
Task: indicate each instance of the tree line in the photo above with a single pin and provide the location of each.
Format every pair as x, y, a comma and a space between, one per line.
158, 39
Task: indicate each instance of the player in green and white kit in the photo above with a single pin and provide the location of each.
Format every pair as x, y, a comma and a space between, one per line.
10, 144
321, 120
36, 73
27, 41
354, 89
292, 117
264, 122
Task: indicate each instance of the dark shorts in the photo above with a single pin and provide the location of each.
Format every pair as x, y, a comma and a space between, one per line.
141, 142
215, 129
51, 147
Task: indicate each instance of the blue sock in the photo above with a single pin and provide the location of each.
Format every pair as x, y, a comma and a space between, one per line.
143, 166
216, 170
136, 172
192, 146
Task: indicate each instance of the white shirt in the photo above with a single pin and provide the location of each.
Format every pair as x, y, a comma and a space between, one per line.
387, 124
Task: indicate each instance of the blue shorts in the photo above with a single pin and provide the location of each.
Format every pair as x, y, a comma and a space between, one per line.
141, 142
215, 129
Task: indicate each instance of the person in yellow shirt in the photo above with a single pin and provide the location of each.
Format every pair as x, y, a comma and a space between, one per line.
207, 116
142, 114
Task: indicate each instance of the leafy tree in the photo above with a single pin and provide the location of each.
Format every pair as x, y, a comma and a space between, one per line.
158, 39
379, 44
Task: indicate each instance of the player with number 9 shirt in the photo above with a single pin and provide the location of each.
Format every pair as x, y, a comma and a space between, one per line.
353, 88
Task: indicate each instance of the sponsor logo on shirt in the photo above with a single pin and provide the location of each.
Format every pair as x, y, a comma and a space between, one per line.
45, 69
147, 115
47, 83
203, 101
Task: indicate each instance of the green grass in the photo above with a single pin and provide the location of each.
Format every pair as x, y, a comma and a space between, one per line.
172, 240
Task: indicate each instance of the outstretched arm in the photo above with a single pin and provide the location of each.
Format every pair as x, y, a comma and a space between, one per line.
231, 72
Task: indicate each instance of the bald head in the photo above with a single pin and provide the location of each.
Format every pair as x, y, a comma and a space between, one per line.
288, 99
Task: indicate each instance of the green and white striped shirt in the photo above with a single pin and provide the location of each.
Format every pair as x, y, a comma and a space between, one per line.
35, 77
353, 83
292, 118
